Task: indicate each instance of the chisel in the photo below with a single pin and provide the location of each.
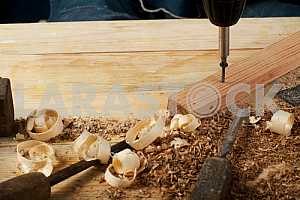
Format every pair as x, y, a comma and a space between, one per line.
214, 179
36, 186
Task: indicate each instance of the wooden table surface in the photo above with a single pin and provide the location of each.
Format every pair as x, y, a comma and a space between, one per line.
116, 69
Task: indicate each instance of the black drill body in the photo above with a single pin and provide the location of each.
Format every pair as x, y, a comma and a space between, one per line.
224, 13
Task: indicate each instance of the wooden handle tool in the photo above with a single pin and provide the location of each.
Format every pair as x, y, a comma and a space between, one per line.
214, 179
36, 186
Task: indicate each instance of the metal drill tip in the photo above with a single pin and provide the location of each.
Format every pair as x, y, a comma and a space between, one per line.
223, 75
223, 65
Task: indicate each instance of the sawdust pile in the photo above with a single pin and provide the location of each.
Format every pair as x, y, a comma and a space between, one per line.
265, 165
113, 130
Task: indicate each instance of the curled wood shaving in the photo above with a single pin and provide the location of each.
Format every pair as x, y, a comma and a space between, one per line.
186, 123
281, 123
125, 161
147, 131
116, 180
125, 167
35, 156
90, 147
44, 124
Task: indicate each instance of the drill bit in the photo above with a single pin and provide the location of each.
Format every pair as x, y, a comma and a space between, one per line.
224, 49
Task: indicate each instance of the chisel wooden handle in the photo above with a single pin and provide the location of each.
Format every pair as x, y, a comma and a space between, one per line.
32, 186
36, 186
214, 180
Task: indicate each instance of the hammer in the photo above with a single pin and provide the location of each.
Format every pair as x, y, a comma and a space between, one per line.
38, 187
214, 179
7, 123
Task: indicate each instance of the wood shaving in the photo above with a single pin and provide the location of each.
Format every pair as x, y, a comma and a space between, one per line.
44, 124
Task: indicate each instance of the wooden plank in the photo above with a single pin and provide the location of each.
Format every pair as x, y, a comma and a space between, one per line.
132, 36
261, 68
139, 76
144, 79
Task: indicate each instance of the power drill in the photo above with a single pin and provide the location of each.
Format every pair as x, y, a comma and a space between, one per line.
224, 13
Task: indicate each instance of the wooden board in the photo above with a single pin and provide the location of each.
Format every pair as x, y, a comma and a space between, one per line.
261, 68
145, 80
139, 61
134, 36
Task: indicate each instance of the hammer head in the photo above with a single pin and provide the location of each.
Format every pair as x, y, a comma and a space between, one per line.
214, 180
7, 123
